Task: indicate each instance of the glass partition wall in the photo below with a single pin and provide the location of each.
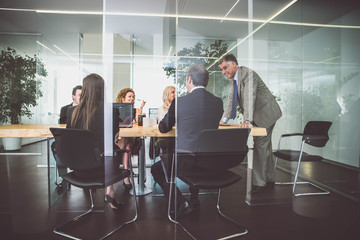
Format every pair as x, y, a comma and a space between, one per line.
315, 62
68, 57
306, 56
140, 40
306, 52
309, 61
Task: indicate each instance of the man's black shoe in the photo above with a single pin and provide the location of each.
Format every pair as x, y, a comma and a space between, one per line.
63, 185
195, 203
270, 184
185, 208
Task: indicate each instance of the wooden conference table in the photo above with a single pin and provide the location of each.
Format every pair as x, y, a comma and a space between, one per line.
43, 131
36, 131
153, 131
28, 130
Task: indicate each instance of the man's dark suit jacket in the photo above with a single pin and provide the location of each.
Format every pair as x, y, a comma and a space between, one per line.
196, 111
63, 113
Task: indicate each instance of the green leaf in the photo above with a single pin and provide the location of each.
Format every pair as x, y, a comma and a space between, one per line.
19, 85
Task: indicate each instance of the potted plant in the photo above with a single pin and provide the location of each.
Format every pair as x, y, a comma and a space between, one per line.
19, 86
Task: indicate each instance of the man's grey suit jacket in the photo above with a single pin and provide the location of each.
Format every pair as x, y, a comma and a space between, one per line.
255, 99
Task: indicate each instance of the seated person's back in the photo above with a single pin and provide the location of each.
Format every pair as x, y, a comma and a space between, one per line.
197, 111
89, 114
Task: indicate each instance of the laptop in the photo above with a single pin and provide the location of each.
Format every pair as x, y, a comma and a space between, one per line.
123, 115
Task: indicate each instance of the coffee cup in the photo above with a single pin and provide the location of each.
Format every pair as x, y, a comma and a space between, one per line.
146, 122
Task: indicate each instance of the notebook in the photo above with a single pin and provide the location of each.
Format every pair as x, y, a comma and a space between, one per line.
123, 114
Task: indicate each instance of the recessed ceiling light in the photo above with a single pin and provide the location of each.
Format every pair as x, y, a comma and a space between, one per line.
230, 10
45, 47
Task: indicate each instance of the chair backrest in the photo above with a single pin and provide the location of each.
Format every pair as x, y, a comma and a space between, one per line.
223, 140
77, 148
220, 149
317, 128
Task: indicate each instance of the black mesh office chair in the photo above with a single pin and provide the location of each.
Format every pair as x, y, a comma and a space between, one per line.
315, 134
77, 150
218, 150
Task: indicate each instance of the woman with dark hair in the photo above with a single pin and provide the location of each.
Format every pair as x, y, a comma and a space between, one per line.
127, 95
89, 114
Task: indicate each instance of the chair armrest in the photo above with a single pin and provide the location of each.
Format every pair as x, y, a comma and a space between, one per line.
292, 134
287, 135
184, 152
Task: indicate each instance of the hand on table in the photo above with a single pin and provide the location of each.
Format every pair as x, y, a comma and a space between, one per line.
245, 125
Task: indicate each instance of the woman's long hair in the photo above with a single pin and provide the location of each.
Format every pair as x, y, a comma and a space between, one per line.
122, 94
91, 98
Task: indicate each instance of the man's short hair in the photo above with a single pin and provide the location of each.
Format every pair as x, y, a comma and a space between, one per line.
78, 87
199, 75
229, 58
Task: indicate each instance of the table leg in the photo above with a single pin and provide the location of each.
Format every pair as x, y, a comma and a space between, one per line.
249, 177
141, 189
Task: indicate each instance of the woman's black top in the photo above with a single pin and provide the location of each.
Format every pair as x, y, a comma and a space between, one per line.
97, 127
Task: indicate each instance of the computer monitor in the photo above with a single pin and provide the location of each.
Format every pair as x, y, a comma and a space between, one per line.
153, 112
123, 115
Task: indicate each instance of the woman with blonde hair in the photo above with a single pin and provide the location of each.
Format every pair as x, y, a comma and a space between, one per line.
89, 114
127, 95
169, 94
164, 143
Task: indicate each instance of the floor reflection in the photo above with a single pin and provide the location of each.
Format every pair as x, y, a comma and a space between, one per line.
311, 206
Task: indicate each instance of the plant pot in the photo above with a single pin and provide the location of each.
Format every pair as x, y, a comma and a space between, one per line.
11, 144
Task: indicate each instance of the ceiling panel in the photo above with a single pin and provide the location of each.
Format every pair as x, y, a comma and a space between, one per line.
137, 6
319, 11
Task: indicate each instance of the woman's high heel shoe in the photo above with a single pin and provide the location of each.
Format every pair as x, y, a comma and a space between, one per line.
113, 204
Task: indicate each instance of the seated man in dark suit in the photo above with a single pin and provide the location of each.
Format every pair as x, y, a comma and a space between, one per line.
196, 111
76, 92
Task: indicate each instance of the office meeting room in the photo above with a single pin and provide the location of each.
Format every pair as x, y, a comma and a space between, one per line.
180, 119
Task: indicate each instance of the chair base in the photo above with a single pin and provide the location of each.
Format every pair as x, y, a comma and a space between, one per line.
57, 228
324, 191
220, 213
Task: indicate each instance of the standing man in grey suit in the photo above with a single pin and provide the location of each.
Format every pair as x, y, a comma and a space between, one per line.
259, 109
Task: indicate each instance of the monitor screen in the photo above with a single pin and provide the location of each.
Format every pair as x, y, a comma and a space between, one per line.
153, 112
